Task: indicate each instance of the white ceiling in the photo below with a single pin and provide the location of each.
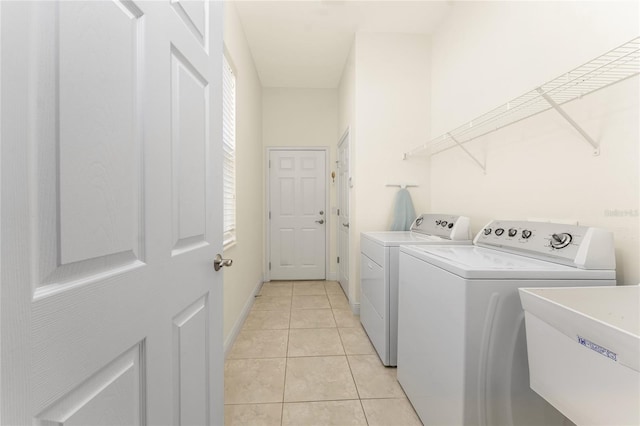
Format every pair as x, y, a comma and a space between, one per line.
305, 43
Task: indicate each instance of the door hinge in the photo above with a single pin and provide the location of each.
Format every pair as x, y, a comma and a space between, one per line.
338, 212
269, 265
338, 259
269, 215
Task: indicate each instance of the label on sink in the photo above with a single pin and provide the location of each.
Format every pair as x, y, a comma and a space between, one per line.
595, 347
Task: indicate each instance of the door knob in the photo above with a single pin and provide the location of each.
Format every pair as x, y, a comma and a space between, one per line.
219, 262
321, 221
346, 225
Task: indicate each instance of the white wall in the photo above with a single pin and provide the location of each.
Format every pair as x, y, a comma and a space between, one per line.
392, 112
487, 53
347, 95
305, 118
388, 111
241, 280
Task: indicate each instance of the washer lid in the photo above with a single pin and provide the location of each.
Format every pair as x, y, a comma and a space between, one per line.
397, 238
482, 263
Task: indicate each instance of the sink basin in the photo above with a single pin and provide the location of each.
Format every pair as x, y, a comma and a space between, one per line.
583, 345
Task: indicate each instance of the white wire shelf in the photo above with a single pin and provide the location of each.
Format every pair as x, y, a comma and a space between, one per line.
614, 66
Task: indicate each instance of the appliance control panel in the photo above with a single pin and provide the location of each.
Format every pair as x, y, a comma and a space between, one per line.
442, 225
580, 246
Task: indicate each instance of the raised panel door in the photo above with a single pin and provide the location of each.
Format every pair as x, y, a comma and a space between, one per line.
111, 312
298, 219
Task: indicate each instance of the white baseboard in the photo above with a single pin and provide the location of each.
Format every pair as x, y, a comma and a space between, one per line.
355, 308
240, 321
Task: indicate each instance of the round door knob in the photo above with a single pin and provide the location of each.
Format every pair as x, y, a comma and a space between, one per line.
321, 221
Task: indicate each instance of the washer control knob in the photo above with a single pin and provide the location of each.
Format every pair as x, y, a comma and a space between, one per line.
526, 234
513, 232
487, 231
499, 231
444, 223
559, 241
450, 225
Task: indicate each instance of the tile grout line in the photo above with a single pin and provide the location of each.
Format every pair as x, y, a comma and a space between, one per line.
353, 378
357, 391
341, 343
318, 400
364, 413
286, 355
286, 360
366, 419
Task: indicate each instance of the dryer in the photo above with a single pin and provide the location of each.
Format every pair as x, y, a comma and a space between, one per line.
462, 356
379, 274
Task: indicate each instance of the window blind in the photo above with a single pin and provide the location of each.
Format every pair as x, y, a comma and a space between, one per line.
229, 151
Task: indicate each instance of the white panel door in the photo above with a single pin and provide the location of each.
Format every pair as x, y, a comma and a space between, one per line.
343, 213
298, 216
111, 312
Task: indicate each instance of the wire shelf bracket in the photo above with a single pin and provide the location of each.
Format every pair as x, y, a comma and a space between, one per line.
482, 166
616, 65
563, 113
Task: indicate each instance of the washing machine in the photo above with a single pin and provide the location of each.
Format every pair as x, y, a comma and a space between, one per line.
379, 274
462, 356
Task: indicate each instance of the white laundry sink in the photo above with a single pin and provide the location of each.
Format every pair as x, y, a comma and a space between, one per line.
583, 345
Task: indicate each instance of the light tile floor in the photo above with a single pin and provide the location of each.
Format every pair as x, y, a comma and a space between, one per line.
302, 358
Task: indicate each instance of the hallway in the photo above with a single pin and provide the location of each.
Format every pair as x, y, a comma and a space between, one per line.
302, 358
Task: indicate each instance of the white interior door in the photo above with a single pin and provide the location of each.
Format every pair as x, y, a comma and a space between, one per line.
111, 312
297, 211
343, 213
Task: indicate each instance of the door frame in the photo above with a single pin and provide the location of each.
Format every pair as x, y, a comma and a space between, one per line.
346, 137
269, 150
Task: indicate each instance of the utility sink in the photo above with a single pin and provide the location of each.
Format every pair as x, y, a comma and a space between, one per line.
583, 345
